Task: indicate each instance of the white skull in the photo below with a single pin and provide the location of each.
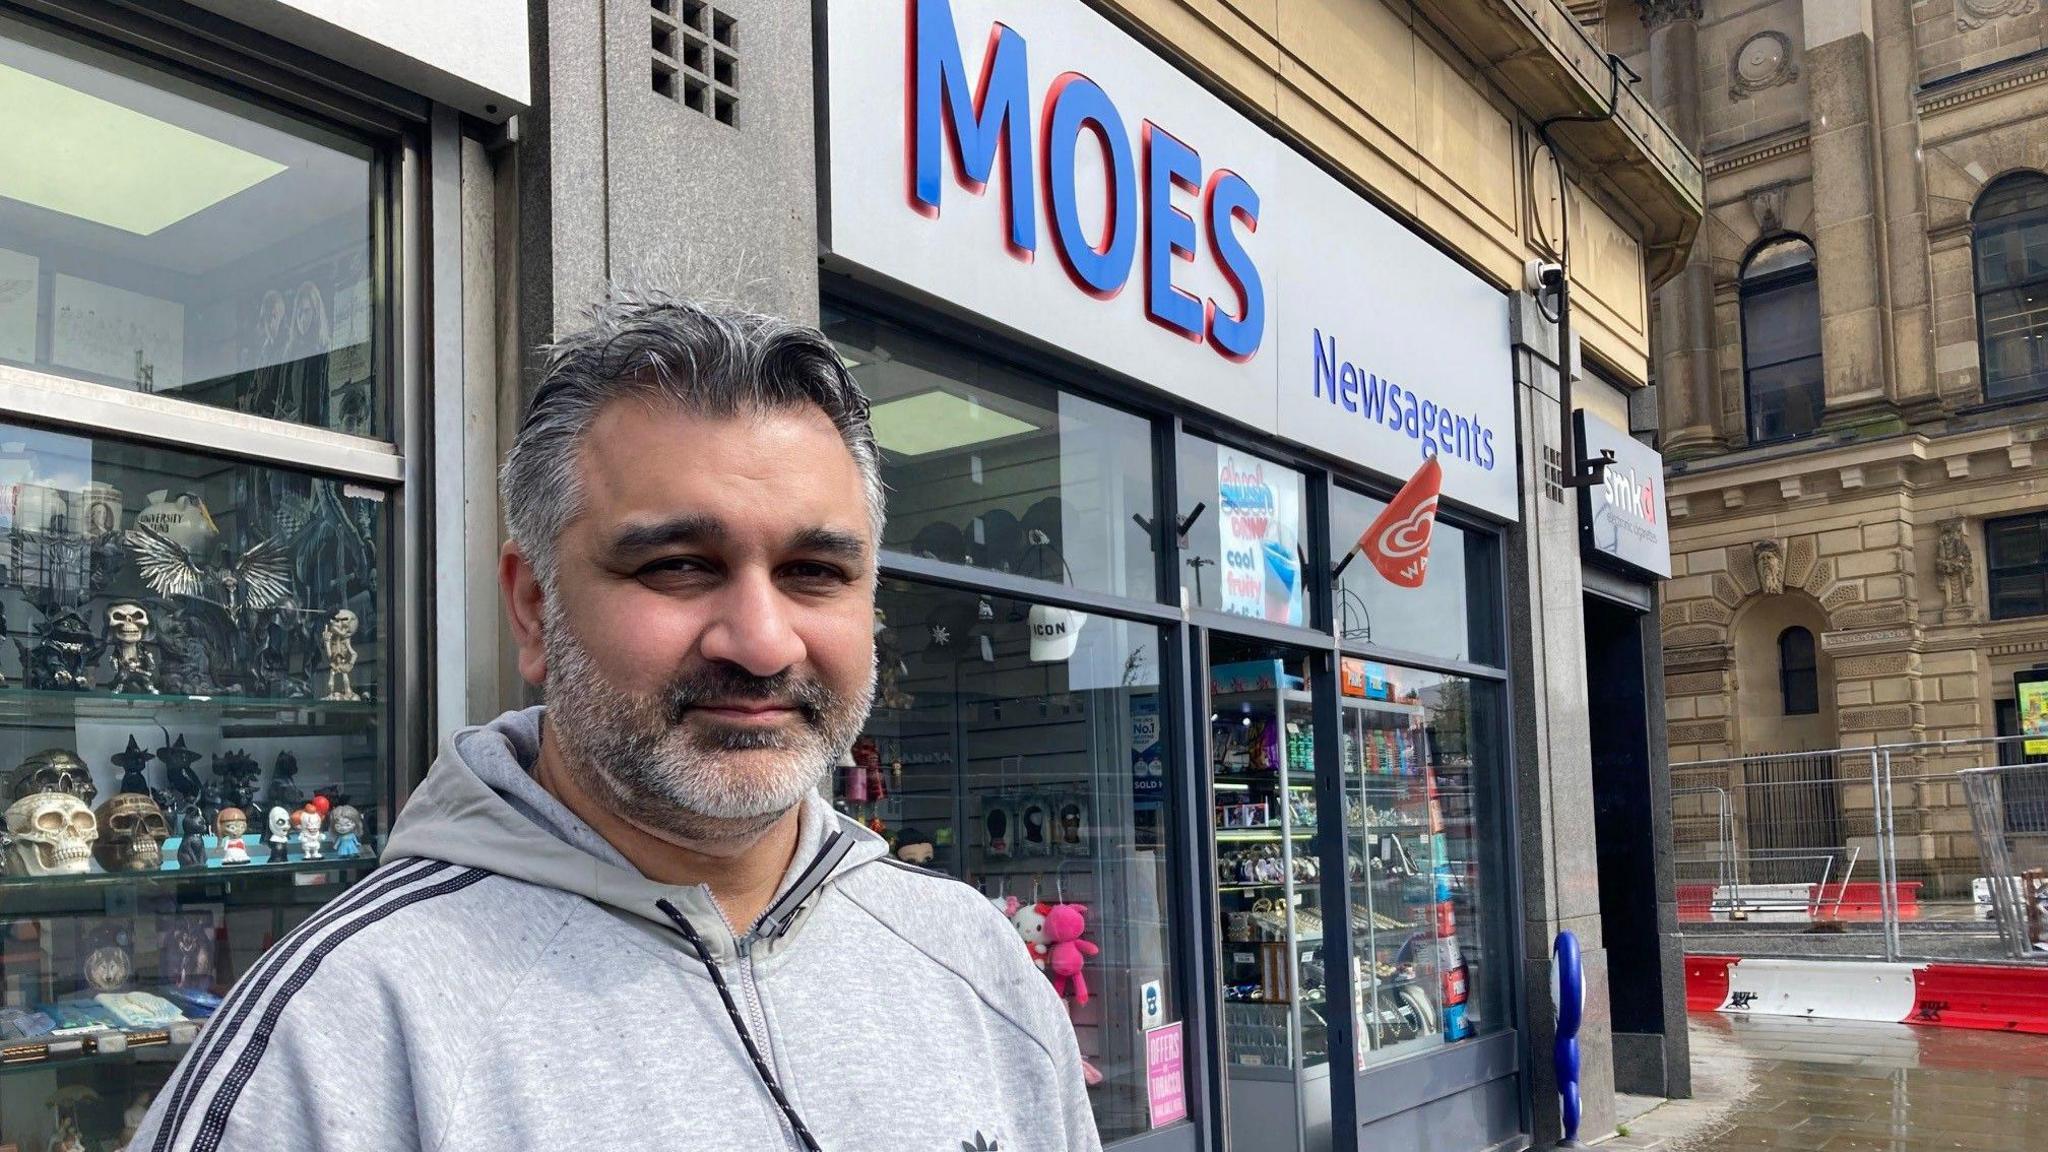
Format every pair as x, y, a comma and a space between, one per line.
344, 623
280, 823
52, 833
127, 621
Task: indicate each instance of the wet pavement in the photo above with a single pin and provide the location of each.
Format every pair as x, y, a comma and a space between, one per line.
1833, 1086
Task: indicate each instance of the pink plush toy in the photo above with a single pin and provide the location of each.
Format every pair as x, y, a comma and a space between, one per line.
1065, 951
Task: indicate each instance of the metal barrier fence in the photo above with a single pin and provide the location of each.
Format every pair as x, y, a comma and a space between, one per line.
1935, 850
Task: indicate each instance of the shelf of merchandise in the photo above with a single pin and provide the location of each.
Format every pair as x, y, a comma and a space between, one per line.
108, 1046
215, 872
1272, 835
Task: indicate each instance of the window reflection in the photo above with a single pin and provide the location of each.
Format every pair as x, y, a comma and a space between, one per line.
1017, 747
158, 236
1246, 551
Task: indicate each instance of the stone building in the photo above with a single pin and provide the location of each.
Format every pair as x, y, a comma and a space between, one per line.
1853, 373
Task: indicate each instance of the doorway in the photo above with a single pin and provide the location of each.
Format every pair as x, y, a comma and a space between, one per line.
1626, 819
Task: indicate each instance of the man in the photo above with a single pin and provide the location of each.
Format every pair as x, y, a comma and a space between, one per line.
627, 919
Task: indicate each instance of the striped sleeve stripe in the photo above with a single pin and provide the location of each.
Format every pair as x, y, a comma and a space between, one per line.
230, 1090
227, 1020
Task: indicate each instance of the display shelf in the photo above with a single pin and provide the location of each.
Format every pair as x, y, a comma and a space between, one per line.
1292, 696
1274, 834
103, 1047
1247, 780
1389, 707
99, 881
1248, 887
25, 703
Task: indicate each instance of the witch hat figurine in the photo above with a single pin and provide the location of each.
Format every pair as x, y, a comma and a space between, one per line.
131, 761
178, 773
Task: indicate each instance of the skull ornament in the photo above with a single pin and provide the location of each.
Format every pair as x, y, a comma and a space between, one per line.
127, 622
344, 623
52, 834
132, 832
53, 770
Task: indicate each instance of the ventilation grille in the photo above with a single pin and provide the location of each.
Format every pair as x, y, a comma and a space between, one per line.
1553, 474
696, 58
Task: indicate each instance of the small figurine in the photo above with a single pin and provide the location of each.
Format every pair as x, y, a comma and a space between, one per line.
336, 639
914, 847
310, 838
285, 792
131, 761
236, 773
192, 838
132, 833
347, 824
229, 826
178, 774
280, 835
128, 644
63, 649
50, 834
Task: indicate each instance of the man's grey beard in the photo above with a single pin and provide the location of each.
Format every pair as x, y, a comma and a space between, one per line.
633, 753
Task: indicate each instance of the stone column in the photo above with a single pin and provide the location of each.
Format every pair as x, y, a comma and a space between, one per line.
1560, 867
1910, 279
1684, 334
1848, 217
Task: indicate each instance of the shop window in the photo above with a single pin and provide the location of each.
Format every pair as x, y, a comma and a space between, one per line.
1017, 747
1245, 551
2016, 557
159, 236
197, 658
1798, 673
1781, 364
2009, 241
991, 467
1452, 612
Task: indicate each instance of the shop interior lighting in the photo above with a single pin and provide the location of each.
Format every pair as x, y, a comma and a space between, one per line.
928, 422
75, 153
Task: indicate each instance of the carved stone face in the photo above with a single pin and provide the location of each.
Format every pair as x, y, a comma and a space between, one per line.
132, 832
53, 770
52, 835
344, 624
127, 621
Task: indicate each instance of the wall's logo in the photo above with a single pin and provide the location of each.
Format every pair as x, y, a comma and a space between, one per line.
971, 122
1397, 543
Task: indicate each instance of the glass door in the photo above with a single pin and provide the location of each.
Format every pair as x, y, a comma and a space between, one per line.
1270, 915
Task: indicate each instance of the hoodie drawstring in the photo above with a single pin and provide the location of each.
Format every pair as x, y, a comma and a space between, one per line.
739, 1024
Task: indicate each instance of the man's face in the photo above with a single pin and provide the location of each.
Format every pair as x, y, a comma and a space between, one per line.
708, 649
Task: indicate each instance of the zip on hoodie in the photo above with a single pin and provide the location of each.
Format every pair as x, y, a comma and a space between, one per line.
757, 1023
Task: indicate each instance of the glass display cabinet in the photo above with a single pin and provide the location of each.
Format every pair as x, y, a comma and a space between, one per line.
1408, 967
194, 737
1268, 837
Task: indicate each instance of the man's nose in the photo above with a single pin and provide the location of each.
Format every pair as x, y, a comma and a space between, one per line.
753, 628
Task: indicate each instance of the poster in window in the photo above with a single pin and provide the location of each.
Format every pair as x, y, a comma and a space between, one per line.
18, 305
2032, 689
1261, 564
116, 334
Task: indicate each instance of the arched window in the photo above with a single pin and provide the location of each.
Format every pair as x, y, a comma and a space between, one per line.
1781, 340
1798, 672
2009, 241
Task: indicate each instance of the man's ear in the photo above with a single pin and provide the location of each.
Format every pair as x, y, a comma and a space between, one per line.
524, 607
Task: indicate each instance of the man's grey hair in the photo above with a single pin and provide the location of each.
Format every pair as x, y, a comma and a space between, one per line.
648, 346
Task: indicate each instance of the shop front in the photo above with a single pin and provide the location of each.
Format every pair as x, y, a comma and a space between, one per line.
213, 415
1192, 637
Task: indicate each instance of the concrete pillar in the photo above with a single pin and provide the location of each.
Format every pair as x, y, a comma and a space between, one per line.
1560, 869
1685, 305
1848, 218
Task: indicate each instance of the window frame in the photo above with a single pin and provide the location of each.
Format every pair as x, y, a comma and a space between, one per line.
1978, 228
1809, 671
1993, 570
1749, 288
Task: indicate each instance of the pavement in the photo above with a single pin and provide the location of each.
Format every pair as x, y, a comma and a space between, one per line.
1835, 1086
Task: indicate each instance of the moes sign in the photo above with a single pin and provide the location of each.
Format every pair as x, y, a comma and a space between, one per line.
986, 129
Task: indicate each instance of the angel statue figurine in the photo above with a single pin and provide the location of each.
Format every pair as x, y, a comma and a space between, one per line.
221, 598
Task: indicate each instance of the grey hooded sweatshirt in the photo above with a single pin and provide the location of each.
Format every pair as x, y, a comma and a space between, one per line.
506, 980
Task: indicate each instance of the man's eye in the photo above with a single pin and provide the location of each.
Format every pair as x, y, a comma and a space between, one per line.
675, 566
815, 571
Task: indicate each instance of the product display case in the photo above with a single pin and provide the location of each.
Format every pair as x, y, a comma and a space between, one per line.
194, 744
1408, 968
1269, 838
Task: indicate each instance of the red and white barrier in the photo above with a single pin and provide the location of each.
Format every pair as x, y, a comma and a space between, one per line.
1996, 997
